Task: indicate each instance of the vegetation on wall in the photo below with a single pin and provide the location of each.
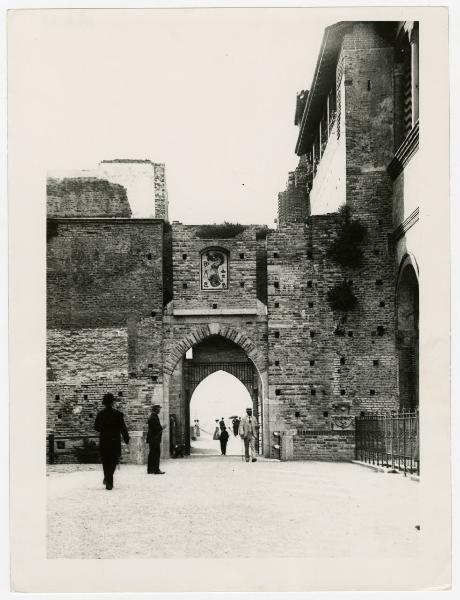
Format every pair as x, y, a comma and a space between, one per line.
220, 230
228, 230
262, 232
341, 297
345, 249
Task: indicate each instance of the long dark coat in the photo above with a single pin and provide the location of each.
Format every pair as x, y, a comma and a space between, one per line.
154, 434
111, 426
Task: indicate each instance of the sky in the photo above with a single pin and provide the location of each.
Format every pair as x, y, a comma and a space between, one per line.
210, 93
219, 395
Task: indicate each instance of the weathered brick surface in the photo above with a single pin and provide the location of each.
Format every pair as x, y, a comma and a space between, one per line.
86, 196
323, 445
99, 272
186, 269
293, 202
207, 351
77, 355
360, 366
105, 302
72, 408
161, 193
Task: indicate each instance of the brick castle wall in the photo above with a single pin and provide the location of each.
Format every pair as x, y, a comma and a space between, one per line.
242, 281
320, 445
325, 363
86, 196
105, 303
100, 272
107, 285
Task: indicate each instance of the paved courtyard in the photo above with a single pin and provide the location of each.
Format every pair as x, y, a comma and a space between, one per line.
213, 506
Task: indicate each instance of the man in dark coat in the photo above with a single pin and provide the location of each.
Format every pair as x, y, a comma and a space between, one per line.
110, 424
154, 440
223, 441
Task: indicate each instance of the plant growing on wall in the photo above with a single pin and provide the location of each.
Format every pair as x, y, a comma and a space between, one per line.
345, 249
341, 297
262, 232
220, 230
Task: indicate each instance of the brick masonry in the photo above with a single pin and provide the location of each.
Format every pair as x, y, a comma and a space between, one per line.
318, 445
246, 256
86, 196
125, 301
105, 305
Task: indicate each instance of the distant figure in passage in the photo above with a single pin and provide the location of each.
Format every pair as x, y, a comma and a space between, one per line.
236, 425
216, 434
172, 433
222, 423
154, 436
248, 431
111, 425
197, 428
223, 441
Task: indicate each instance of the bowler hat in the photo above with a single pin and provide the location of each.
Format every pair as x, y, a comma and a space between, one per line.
108, 399
156, 406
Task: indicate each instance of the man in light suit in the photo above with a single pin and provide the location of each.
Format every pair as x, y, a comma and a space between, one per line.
248, 431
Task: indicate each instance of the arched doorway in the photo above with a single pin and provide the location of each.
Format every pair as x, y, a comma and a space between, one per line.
209, 355
407, 334
219, 396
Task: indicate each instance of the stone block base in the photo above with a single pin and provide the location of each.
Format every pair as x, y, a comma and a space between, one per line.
138, 449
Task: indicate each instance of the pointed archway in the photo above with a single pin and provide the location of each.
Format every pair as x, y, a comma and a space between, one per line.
407, 334
219, 396
211, 352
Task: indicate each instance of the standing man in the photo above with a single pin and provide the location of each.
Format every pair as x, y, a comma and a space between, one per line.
154, 440
248, 432
110, 424
223, 441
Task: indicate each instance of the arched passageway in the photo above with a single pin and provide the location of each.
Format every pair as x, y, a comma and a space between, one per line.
407, 335
214, 355
218, 396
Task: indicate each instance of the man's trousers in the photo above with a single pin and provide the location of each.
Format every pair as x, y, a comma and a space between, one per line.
249, 447
109, 464
153, 462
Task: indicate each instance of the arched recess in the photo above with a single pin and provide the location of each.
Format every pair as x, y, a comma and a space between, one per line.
407, 333
179, 374
200, 333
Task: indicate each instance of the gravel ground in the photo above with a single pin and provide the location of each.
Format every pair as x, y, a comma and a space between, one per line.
220, 507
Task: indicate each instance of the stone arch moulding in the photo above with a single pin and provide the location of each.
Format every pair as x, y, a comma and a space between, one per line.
407, 259
407, 262
200, 333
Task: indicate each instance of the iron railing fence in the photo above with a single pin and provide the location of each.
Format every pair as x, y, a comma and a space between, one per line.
390, 440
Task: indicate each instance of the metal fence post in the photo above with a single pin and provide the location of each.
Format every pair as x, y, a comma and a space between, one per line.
389, 439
